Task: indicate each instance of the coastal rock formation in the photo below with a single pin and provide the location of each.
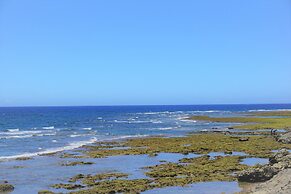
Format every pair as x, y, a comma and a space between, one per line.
279, 184
260, 174
280, 161
6, 188
286, 138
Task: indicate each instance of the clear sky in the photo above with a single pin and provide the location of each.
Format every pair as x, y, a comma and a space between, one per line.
119, 52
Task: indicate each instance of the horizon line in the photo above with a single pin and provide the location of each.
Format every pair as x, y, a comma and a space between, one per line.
48, 106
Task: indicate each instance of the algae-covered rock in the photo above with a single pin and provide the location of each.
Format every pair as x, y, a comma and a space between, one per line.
257, 174
24, 158
45, 192
6, 187
75, 163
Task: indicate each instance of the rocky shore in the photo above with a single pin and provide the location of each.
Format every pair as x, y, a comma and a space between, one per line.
274, 177
196, 163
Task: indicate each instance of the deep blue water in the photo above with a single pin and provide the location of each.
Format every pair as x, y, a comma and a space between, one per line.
33, 130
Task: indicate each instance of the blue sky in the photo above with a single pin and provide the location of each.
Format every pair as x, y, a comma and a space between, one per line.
105, 52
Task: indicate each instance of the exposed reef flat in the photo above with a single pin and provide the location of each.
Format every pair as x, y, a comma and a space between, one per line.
194, 158
254, 121
259, 146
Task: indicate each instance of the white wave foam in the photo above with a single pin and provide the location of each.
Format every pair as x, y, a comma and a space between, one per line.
87, 128
165, 128
153, 113
186, 119
16, 136
156, 122
125, 137
51, 127
70, 146
20, 132
117, 121
23, 135
79, 135
12, 130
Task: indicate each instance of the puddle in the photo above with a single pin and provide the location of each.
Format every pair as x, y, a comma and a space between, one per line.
255, 161
214, 154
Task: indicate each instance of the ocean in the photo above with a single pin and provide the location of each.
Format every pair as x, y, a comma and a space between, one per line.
29, 131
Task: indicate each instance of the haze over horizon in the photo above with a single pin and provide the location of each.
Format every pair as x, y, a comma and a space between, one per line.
74, 53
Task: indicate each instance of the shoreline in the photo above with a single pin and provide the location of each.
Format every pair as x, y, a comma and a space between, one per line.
193, 165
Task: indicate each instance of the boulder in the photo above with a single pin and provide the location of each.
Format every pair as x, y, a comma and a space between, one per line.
286, 138
279, 156
6, 187
278, 162
260, 174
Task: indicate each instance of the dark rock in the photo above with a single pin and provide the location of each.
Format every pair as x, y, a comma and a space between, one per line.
286, 138
45, 192
228, 152
6, 188
257, 174
278, 162
244, 139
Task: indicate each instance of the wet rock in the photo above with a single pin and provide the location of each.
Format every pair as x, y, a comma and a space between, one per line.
6, 187
286, 138
257, 174
24, 158
228, 152
45, 192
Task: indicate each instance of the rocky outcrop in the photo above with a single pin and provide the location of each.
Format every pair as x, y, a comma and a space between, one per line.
280, 161
6, 187
286, 138
260, 174
279, 184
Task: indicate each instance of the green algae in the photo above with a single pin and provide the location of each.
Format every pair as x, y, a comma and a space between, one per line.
92, 179
272, 113
68, 155
118, 186
75, 163
67, 186
259, 146
45, 192
252, 123
186, 171
199, 169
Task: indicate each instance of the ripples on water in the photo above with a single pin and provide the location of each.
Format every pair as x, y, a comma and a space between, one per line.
32, 131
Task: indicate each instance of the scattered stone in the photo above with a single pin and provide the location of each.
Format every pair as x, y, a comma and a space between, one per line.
228, 152
24, 158
6, 187
244, 139
77, 163
152, 154
286, 138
